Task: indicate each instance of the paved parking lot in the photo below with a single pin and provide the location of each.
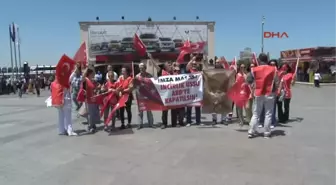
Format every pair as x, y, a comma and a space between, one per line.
301, 152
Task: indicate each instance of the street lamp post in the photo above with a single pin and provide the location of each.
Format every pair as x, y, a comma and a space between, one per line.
262, 34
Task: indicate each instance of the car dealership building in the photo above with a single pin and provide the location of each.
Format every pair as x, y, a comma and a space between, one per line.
112, 41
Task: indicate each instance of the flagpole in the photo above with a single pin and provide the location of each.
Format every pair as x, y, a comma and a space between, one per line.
11, 51
15, 57
19, 48
262, 34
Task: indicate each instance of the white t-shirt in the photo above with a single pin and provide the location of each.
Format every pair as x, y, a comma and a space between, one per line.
115, 76
317, 76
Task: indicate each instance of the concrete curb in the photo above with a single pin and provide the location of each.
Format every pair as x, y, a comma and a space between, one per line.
321, 84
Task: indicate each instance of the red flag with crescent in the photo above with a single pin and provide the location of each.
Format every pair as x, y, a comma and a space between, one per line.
80, 55
185, 49
139, 46
64, 68
239, 93
121, 103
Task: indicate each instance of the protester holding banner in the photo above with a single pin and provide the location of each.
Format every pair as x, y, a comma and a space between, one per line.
177, 114
111, 99
218, 65
142, 75
192, 67
286, 83
168, 70
125, 81
265, 79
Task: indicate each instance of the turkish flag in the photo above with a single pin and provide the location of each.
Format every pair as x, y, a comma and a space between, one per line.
121, 103
224, 63
99, 99
198, 47
106, 102
233, 65
139, 46
185, 49
80, 55
239, 93
64, 68
254, 59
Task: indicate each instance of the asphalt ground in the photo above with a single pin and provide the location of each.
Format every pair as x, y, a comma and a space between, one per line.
301, 152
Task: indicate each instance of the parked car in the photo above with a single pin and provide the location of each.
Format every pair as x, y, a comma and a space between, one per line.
151, 41
167, 44
114, 45
178, 43
104, 46
95, 47
126, 44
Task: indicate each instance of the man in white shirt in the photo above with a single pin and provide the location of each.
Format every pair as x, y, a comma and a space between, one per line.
317, 78
115, 75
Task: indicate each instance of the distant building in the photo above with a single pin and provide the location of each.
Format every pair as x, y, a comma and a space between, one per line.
246, 54
36, 69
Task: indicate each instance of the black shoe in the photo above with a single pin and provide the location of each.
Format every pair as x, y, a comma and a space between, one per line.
129, 125
151, 126
174, 125
122, 127
163, 126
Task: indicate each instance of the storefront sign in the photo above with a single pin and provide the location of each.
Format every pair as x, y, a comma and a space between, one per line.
306, 52
115, 42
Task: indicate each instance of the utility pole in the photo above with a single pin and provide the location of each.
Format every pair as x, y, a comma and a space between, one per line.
262, 34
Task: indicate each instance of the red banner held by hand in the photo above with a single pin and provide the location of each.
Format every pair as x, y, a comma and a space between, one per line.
121, 103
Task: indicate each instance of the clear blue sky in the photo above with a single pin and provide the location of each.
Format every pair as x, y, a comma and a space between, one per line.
50, 28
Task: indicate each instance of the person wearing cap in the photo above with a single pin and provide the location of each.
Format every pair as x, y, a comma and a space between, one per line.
150, 118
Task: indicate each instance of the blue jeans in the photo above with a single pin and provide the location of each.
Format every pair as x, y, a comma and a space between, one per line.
262, 116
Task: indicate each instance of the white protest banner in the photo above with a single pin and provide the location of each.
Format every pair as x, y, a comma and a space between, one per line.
181, 89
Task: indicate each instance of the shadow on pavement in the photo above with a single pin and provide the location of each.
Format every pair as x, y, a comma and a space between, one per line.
295, 119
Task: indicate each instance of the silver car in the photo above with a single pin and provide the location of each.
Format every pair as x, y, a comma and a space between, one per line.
114, 45
167, 44
151, 41
127, 44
